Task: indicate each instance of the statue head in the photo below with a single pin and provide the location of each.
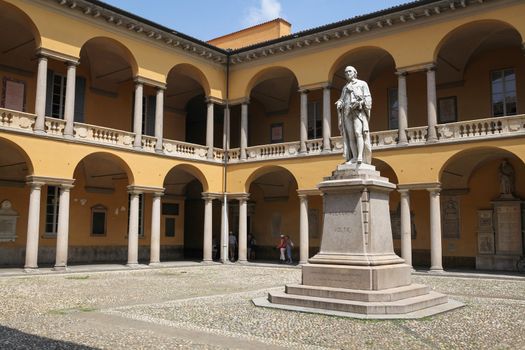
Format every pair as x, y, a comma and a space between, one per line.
350, 72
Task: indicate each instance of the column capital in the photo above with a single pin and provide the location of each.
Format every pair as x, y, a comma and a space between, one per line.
308, 192
47, 53
46, 180
401, 73
404, 192
211, 195
434, 191
214, 100
328, 85
430, 68
302, 90
418, 186
66, 187
147, 81
145, 189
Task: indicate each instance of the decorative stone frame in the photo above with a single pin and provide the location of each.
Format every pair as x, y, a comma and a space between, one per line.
99, 208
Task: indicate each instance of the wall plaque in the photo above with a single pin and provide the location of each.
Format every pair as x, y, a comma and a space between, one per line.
508, 227
8, 218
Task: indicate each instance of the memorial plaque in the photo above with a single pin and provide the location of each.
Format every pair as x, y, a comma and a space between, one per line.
485, 221
508, 227
8, 218
485, 232
450, 220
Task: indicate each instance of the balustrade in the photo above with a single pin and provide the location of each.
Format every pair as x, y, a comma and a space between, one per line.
55, 126
16, 120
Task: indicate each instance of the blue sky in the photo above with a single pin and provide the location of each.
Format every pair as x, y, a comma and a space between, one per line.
207, 19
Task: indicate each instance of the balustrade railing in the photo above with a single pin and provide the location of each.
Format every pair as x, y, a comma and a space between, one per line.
16, 120
417, 134
185, 149
149, 143
272, 151
482, 128
314, 146
55, 126
451, 132
108, 136
382, 139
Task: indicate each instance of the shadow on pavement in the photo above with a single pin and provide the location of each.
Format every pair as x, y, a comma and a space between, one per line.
14, 339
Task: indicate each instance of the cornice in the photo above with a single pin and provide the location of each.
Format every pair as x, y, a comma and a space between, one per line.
167, 37
317, 37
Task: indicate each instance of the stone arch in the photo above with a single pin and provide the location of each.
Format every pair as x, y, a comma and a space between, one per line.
193, 73
20, 15
19, 153
267, 73
385, 169
111, 158
264, 170
459, 168
461, 44
360, 54
191, 170
114, 48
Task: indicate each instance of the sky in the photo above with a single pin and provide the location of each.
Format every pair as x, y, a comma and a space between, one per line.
208, 19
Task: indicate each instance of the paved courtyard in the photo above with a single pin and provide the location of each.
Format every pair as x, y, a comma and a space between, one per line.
209, 307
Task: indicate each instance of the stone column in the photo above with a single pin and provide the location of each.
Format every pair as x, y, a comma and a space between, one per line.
154, 257
133, 233
159, 120
327, 119
226, 128
207, 245
33, 226
63, 227
304, 120
431, 104
243, 229
209, 129
406, 230
244, 130
40, 100
402, 107
224, 231
137, 115
303, 229
435, 231
69, 108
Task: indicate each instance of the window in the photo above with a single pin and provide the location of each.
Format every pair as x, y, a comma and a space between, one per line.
52, 210
503, 92
315, 122
98, 220
13, 96
169, 212
58, 96
141, 214
393, 109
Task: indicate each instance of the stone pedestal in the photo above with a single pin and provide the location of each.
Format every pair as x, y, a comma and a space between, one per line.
356, 270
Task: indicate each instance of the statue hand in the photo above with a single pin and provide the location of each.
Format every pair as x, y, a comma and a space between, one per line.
339, 104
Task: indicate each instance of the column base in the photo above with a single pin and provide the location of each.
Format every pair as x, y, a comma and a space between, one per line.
154, 264
159, 151
432, 140
132, 265
60, 268
31, 270
137, 148
39, 132
68, 136
402, 143
436, 270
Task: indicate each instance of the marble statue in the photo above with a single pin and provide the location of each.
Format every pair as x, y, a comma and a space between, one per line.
506, 178
353, 110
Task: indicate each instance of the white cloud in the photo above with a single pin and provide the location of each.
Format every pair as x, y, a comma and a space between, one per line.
267, 10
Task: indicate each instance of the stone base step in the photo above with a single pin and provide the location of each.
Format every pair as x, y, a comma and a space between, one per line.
361, 307
386, 295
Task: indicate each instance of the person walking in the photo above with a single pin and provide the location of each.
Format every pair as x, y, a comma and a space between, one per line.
232, 244
282, 249
289, 246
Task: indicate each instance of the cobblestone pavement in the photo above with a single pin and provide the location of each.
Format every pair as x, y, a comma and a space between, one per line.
209, 307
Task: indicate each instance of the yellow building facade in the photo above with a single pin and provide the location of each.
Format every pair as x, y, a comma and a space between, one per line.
121, 139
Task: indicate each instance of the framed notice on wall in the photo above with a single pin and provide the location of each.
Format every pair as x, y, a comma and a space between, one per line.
447, 110
276, 133
13, 94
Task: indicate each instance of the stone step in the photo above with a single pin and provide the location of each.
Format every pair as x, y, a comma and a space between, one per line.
397, 307
391, 294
